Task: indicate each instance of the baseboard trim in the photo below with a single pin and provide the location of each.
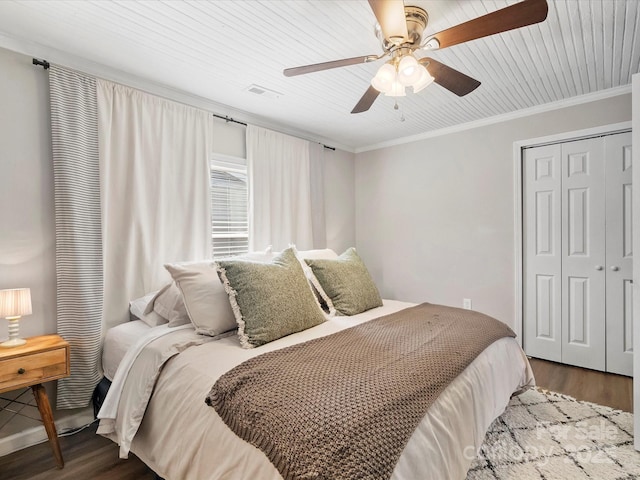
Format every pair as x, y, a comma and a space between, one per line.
35, 435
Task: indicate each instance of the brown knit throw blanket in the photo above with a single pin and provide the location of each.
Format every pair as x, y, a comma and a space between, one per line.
344, 406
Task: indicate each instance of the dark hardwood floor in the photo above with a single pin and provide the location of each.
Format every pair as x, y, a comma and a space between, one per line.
87, 456
614, 391
91, 457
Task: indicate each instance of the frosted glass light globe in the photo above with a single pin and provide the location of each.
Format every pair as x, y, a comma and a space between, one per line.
384, 79
424, 81
408, 71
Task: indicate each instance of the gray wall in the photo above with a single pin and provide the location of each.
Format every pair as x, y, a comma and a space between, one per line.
229, 138
435, 218
27, 234
339, 199
27, 230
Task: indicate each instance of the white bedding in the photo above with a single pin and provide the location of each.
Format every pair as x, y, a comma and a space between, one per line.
117, 341
180, 437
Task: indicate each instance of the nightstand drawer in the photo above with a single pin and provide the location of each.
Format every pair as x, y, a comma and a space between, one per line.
33, 368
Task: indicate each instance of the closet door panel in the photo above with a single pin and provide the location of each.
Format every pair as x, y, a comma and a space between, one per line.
542, 247
619, 328
583, 253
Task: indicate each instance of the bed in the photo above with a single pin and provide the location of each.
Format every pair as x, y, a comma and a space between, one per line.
156, 405
117, 341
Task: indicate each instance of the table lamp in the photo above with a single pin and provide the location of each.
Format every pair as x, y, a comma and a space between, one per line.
14, 303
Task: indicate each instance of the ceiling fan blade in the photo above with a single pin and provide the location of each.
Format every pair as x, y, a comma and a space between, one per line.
392, 20
317, 67
450, 78
366, 101
515, 16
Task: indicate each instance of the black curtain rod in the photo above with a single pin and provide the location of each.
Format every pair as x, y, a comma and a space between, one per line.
229, 119
43, 63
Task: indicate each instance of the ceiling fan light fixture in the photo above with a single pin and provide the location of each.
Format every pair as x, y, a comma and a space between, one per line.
424, 81
408, 70
384, 79
400, 29
397, 90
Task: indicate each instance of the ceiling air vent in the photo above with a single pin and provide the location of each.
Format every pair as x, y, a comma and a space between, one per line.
262, 91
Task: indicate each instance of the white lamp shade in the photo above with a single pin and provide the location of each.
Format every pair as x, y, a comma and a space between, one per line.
397, 90
15, 302
408, 71
385, 78
425, 80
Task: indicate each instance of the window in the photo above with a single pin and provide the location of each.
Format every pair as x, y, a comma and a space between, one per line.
229, 207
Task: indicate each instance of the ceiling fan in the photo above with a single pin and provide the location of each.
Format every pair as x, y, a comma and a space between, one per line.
400, 30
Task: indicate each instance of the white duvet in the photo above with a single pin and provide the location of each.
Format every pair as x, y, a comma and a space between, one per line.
181, 438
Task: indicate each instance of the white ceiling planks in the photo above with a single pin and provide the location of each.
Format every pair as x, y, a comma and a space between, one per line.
217, 49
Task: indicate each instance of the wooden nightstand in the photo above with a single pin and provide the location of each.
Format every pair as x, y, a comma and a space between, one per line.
40, 360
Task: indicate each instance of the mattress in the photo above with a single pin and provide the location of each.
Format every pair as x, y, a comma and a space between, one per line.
117, 341
180, 437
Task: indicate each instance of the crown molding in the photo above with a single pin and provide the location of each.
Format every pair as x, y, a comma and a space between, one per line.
547, 107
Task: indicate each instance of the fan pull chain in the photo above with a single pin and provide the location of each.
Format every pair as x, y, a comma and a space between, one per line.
397, 107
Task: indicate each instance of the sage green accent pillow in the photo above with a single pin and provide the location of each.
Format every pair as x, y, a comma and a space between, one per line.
269, 300
347, 282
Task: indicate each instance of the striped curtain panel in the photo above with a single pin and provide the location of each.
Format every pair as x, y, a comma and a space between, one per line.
74, 129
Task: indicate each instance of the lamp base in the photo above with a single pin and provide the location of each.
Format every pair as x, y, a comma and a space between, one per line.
14, 342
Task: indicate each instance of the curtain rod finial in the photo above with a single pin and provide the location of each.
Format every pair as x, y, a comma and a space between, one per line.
42, 63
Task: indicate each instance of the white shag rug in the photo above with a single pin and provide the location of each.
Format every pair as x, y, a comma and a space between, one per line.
548, 436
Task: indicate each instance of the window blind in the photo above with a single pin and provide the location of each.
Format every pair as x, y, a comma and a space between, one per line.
229, 210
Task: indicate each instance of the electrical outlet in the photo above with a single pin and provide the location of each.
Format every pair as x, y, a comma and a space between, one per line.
466, 303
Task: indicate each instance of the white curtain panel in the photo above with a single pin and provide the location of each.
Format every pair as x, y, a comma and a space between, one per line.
280, 205
154, 183
74, 133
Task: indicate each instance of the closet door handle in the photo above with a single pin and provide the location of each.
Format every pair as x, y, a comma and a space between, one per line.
614, 268
598, 267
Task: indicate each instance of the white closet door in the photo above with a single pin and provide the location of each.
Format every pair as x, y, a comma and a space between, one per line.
619, 255
583, 254
542, 247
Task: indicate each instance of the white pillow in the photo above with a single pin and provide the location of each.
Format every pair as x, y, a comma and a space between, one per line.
168, 304
137, 306
137, 309
205, 299
322, 254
